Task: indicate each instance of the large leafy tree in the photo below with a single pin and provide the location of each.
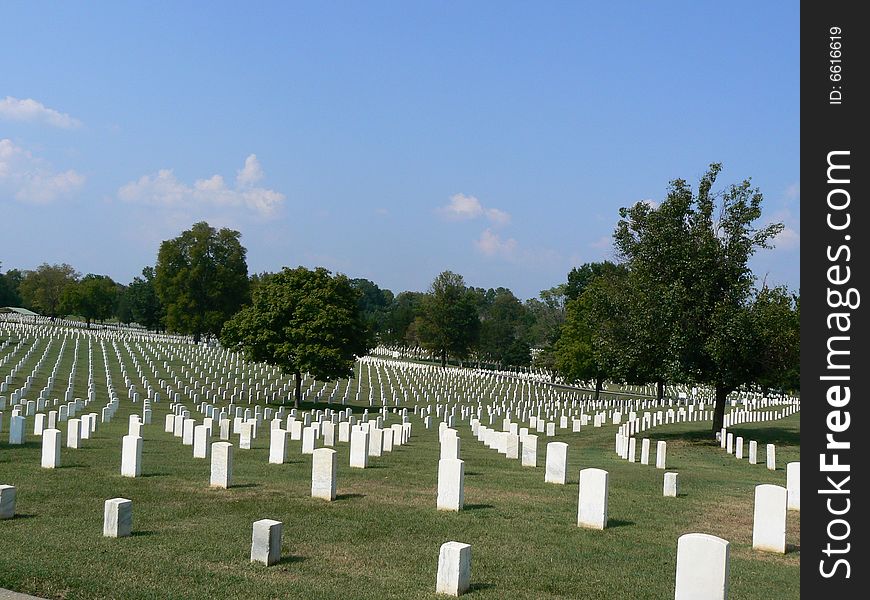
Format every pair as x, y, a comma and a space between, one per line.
504, 330
145, 306
374, 304
547, 313
591, 344
9, 284
93, 298
201, 279
399, 320
42, 289
449, 324
692, 286
301, 321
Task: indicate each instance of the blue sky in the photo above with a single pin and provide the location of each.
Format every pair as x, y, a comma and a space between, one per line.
387, 140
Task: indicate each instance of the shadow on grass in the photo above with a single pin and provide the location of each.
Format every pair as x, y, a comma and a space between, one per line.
767, 435
480, 586
471, 473
143, 533
17, 516
289, 560
244, 485
154, 474
791, 548
618, 523
349, 496
476, 506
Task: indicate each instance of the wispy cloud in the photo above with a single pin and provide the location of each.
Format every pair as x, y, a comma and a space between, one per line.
491, 244
787, 239
31, 179
465, 208
164, 189
14, 109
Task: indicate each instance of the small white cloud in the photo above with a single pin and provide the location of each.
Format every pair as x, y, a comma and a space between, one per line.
251, 173
793, 192
164, 189
650, 202
13, 109
464, 208
498, 217
491, 244
787, 239
31, 179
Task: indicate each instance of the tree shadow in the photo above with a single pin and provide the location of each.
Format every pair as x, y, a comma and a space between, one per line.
618, 523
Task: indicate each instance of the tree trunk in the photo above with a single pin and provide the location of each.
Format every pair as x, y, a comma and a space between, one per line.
196, 337
297, 395
719, 411
660, 390
443, 358
598, 386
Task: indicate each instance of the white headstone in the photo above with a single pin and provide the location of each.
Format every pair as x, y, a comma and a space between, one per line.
50, 448
323, 474
266, 541
768, 525
451, 484
117, 517
131, 456
221, 465
703, 566
592, 500
7, 501
557, 463
672, 485
454, 569
793, 485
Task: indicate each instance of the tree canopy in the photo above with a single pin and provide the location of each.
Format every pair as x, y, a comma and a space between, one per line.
42, 289
301, 321
693, 290
201, 279
145, 306
93, 298
448, 323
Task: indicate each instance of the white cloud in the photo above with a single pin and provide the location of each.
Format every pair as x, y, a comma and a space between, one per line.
13, 109
650, 202
491, 244
251, 173
164, 189
31, 179
787, 239
464, 208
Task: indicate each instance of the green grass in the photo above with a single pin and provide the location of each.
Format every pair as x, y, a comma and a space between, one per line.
380, 538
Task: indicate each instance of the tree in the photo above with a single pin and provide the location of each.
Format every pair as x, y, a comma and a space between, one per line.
374, 304
547, 314
504, 330
580, 277
92, 298
448, 323
301, 321
43, 288
201, 279
9, 284
590, 346
689, 258
402, 312
145, 305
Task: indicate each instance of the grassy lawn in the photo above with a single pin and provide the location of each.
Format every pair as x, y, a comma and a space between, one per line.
380, 538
